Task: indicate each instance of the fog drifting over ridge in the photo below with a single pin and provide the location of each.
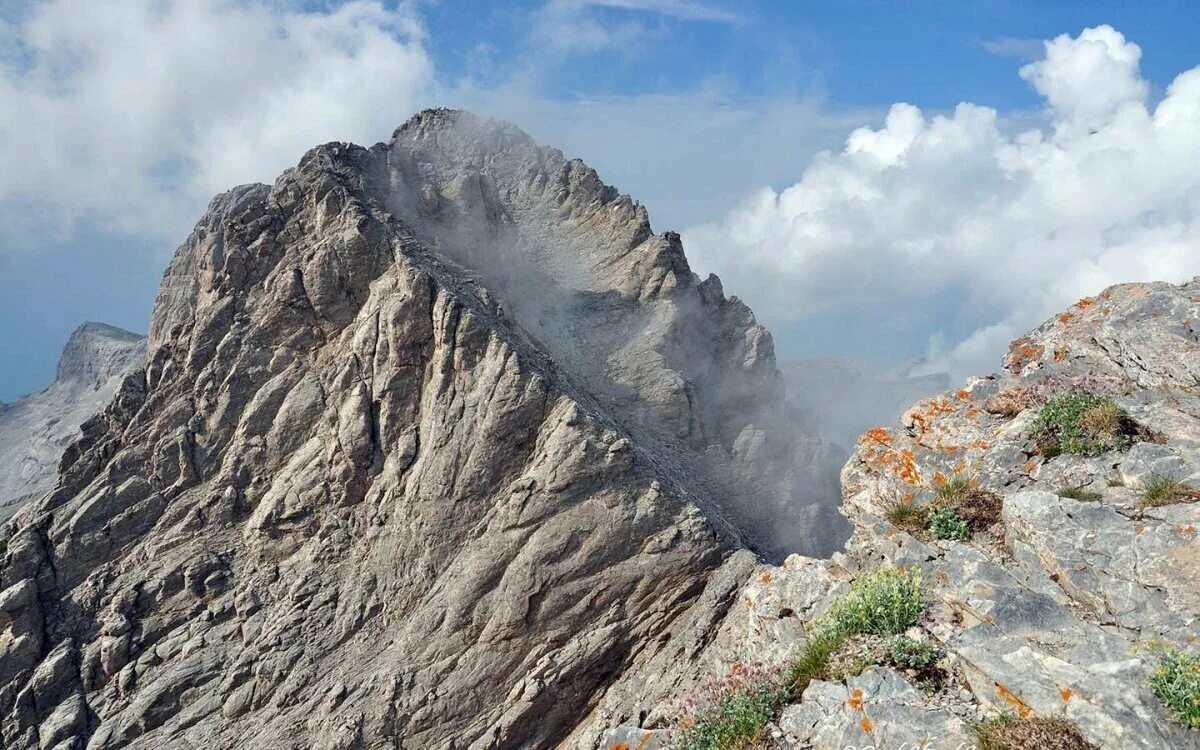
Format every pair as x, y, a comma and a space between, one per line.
980, 231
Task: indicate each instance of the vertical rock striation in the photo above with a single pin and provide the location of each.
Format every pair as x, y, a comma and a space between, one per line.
435, 442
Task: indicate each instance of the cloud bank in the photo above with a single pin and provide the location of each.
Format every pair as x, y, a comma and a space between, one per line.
134, 116
979, 232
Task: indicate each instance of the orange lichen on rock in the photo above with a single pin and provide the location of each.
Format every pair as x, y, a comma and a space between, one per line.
766, 578
1065, 317
1011, 699
1066, 694
1085, 303
868, 726
1029, 467
876, 435
939, 478
908, 468
1059, 355
1021, 352
856, 700
962, 395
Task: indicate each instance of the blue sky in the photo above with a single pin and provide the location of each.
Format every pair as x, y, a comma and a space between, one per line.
691, 107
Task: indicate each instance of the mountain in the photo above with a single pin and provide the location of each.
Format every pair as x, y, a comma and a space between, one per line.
35, 429
435, 442
1046, 619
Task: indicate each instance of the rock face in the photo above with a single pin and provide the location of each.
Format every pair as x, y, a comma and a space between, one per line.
1051, 613
35, 429
435, 443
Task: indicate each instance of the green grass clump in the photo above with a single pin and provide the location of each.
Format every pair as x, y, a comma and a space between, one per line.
1176, 682
945, 524
907, 653
883, 601
906, 516
1079, 493
1083, 424
1165, 490
810, 663
956, 488
1041, 732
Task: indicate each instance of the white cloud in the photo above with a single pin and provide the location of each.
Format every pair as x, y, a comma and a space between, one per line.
133, 115
1000, 229
572, 27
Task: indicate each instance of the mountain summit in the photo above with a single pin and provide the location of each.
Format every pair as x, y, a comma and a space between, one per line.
35, 429
434, 441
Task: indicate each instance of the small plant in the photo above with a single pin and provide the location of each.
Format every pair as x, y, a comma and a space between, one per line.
1083, 424
978, 508
904, 515
1009, 402
730, 713
883, 601
1176, 682
1164, 490
945, 524
811, 662
1116, 482
1041, 732
953, 489
1079, 493
907, 653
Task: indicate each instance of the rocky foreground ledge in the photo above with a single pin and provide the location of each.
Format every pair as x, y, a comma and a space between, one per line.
1059, 605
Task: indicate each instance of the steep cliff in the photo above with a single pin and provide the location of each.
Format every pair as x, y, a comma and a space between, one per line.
435, 442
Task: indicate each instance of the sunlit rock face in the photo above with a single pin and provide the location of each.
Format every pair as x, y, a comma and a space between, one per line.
35, 429
435, 443
1058, 606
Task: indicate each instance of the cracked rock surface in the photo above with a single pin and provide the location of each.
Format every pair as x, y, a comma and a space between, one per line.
1051, 611
434, 443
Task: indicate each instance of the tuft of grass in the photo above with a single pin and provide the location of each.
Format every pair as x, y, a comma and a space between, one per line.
978, 508
1176, 682
883, 601
1009, 402
1041, 732
956, 488
810, 663
1116, 482
1079, 493
906, 516
907, 653
1165, 490
945, 524
1083, 424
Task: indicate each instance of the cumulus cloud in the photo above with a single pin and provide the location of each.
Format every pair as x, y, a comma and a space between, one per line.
977, 232
134, 114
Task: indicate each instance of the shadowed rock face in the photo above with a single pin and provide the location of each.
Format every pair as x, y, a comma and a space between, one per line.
35, 429
435, 441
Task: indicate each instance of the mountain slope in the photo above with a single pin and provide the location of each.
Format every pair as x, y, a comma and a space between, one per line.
435, 441
35, 429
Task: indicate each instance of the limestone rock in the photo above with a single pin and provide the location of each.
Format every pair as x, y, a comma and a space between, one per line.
35, 429
434, 443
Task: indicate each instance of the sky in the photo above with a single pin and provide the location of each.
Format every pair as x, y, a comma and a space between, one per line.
888, 182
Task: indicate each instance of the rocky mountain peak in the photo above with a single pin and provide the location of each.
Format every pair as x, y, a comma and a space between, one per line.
96, 351
434, 441
35, 429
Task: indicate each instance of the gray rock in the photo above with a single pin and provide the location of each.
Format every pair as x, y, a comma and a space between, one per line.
35, 429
